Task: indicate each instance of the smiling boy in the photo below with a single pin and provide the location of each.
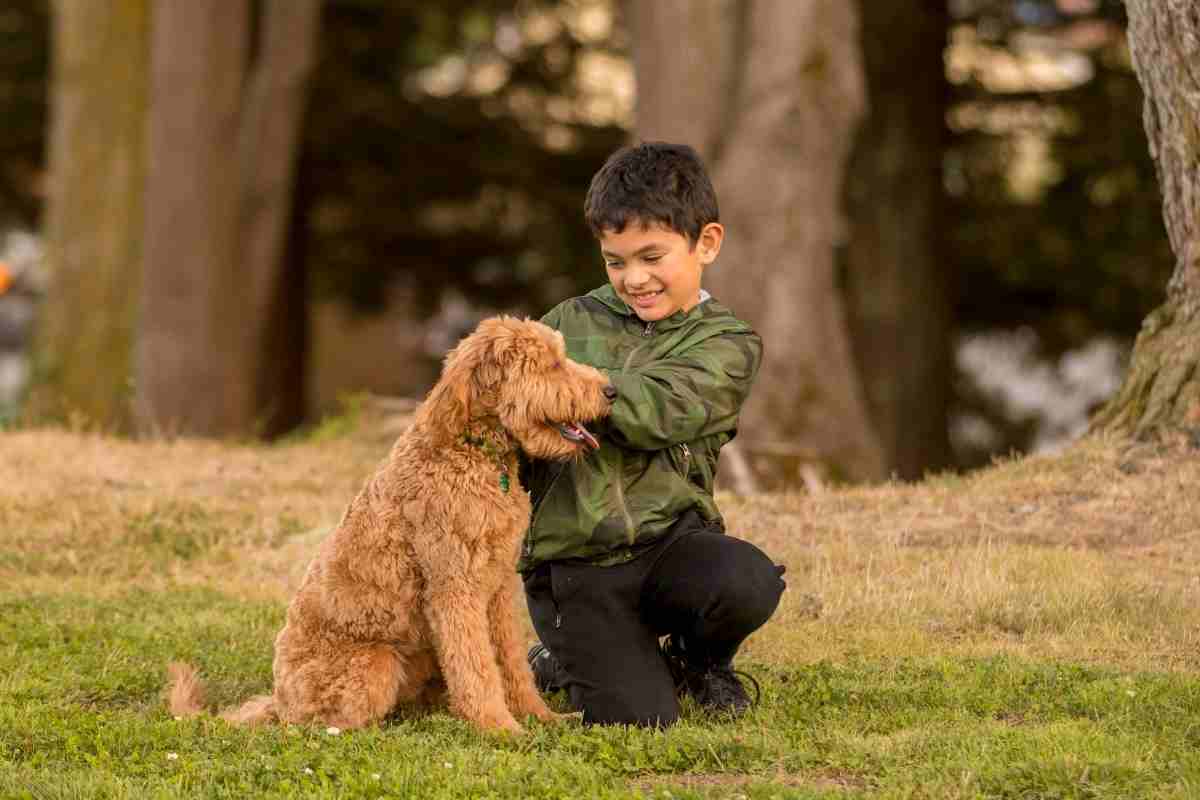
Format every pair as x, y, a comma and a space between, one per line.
626, 544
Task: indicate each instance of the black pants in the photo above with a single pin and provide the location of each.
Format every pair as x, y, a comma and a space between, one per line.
603, 624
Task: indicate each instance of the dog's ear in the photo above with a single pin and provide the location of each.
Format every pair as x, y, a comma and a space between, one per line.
447, 408
499, 346
506, 345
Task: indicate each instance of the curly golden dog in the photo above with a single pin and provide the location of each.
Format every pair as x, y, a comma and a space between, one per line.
410, 599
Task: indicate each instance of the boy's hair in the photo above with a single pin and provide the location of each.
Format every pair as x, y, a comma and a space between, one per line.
653, 182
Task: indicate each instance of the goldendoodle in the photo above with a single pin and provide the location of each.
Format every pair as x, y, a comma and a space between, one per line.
410, 599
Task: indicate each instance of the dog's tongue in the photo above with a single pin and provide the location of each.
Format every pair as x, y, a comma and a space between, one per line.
578, 433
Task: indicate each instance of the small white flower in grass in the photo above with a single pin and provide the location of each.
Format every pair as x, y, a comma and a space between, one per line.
172, 756
333, 730
376, 775
448, 765
1131, 692
308, 771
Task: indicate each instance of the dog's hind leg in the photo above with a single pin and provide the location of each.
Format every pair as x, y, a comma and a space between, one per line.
458, 619
349, 688
523, 697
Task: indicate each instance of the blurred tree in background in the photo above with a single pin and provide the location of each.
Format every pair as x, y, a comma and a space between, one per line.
771, 94
93, 217
895, 267
447, 147
222, 324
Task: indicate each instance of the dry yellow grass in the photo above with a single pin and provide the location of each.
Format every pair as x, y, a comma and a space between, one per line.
1091, 555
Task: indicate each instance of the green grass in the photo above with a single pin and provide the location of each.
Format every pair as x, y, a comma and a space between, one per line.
1028, 632
81, 716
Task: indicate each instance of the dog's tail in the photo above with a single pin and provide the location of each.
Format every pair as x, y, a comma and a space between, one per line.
185, 698
185, 690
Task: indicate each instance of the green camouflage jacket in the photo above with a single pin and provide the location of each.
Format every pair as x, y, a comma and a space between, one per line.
681, 384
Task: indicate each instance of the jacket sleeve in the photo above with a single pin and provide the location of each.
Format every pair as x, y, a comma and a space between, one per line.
553, 317
688, 396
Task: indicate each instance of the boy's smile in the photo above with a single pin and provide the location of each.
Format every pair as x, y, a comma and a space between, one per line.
653, 269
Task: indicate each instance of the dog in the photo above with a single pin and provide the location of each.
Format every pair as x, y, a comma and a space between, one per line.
409, 600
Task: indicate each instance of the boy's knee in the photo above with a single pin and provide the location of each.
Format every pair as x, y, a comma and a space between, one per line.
611, 708
638, 718
755, 585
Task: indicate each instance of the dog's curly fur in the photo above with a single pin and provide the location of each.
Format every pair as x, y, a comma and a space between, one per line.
409, 600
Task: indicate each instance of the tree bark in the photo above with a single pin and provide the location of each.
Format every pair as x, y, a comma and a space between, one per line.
1162, 387
192, 321
219, 303
770, 93
83, 349
274, 225
897, 284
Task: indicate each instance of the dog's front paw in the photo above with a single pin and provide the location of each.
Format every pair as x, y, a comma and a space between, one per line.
531, 704
499, 723
542, 712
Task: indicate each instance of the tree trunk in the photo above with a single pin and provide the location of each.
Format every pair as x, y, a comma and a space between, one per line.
896, 280
274, 225
220, 306
770, 93
83, 349
1162, 388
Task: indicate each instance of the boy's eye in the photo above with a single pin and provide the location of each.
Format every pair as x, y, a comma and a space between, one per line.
612, 264
654, 259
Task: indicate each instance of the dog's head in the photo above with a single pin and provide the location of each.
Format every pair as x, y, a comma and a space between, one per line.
517, 372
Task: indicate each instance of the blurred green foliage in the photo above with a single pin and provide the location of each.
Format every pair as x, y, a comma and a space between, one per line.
449, 145
24, 65
1084, 253
430, 152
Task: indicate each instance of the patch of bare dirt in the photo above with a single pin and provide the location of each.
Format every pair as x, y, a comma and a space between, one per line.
819, 779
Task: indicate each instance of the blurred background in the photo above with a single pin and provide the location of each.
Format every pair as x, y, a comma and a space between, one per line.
223, 217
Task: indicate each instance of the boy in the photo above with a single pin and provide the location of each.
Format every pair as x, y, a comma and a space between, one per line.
626, 544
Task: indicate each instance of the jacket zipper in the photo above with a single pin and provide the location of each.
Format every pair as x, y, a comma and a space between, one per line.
687, 458
649, 329
533, 519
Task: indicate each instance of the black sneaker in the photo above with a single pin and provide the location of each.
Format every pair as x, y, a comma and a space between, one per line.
717, 688
546, 671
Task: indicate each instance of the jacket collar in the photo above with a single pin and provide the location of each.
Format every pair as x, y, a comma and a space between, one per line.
608, 296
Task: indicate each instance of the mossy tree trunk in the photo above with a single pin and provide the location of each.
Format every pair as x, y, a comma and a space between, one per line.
223, 317
93, 222
1162, 388
771, 93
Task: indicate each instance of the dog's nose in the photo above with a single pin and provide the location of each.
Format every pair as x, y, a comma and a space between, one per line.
610, 392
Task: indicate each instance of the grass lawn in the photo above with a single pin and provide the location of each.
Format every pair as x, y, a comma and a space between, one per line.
1030, 631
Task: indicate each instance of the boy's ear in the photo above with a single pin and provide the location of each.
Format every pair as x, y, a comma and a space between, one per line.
709, 242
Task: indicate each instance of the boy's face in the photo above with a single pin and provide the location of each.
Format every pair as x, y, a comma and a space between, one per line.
654, 271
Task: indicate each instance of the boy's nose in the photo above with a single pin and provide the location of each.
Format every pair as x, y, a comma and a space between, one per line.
610, 392
635, 277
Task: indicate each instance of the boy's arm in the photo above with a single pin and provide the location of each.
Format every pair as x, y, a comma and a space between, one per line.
553, 317
688, 396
